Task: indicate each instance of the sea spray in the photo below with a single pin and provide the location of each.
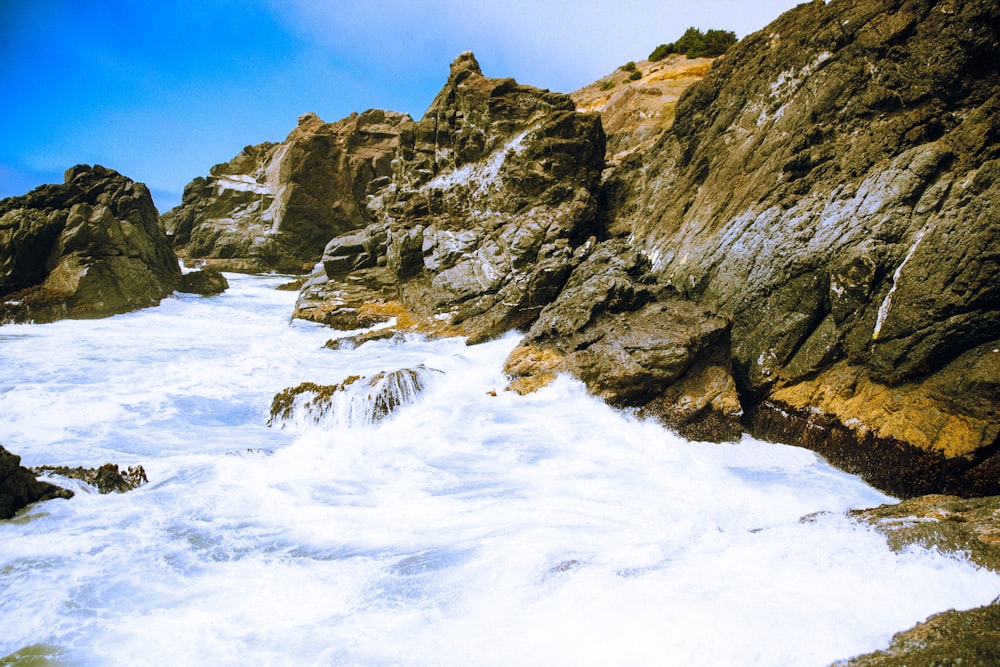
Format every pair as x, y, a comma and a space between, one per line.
474, 526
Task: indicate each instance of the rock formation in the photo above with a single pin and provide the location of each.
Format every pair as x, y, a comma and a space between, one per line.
275, 206
830, 186
355, 401
90, 247
106, 479
969, 527
19, 487
637, 106
492, 191
634, 344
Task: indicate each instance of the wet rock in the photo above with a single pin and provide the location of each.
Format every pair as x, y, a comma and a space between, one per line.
275, 206
969, 527
206, 282
106, 479
20, 488
966, 526
91, 247
354, 401
968, 638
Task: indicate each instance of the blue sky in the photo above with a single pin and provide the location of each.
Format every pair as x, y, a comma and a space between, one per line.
161, 91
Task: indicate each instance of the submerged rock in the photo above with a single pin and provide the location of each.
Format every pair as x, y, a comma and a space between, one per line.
968, 638
90, 247
274, 206
355, 401
20, 488
106, 479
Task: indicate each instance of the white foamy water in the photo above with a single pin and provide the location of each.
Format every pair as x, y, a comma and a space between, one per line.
466, 529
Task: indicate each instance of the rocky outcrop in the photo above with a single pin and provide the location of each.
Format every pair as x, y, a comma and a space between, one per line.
491, 193
90, 247
19, 487
830, 185
106, 479
275, 206
355, 401
207, 281
968, 527
968, 638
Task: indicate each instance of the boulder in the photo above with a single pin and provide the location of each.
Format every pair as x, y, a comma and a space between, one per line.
275, 205
206, 282
20, 488
490, 193
830, 185
91, 247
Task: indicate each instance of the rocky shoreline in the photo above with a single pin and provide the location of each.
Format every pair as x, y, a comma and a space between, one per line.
802, 247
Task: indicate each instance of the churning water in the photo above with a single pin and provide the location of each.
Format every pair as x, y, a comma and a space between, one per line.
466, 529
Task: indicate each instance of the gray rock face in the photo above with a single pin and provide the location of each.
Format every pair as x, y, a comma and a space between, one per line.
635, 345
90, 247
275, 206
490, 193
831, 185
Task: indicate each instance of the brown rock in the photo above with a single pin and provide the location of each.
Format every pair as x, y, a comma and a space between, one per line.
274, 206
91, 247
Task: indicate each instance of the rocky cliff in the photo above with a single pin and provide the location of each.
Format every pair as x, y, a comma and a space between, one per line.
90, 247
275, 206
831, 186
491, 195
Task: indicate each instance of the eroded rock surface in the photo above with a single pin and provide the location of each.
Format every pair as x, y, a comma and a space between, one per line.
275, 205
634, 344
831, 185
90, 247
491, 192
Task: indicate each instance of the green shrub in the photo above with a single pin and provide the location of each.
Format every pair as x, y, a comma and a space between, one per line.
635, 76
696, 44
628, 67
662, 51
608, 85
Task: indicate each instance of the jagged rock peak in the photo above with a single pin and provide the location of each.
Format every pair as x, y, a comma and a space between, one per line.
309, 119
464, 65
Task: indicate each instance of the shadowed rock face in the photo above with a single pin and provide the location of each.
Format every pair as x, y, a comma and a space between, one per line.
831, 186
275, 206
19, 488
90, 247
491, 192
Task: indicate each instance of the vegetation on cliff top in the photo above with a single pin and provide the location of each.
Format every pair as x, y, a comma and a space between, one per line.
697, 44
